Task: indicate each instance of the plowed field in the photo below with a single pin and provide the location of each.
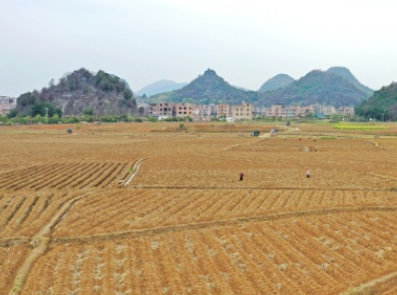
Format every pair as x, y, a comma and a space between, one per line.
117, 209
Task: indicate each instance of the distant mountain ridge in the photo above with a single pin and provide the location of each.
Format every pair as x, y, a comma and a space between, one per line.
101, 93
278, 81
317, 87
161, 86
346, 74
205, 89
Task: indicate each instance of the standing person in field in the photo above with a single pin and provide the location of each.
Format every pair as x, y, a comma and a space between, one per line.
241, 176
307, 173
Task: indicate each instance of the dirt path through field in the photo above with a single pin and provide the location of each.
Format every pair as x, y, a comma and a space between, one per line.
218, 223
40, 243
370, 287
135, 170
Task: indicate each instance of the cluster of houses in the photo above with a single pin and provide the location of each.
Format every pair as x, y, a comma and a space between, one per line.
245, 111
7, 104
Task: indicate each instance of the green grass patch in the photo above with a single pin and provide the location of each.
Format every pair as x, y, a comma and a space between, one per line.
359, 127
328, 137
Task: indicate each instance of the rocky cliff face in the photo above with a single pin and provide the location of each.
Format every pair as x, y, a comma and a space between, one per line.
80, 92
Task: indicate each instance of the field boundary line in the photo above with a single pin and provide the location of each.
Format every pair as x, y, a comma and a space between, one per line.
261, 138
216, 223
366, 288
135, 168
275, 188
40, 243
14, 241
382, 176
376, 144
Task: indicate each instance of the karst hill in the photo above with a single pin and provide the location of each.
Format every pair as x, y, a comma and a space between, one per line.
317, 87
205, 89
80, 92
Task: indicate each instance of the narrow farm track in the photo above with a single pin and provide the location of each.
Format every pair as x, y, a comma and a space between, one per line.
40, 243
384, 285
219, 223
135, 169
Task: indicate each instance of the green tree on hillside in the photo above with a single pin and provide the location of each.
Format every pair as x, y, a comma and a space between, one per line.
128, 94
381, 106
44, 108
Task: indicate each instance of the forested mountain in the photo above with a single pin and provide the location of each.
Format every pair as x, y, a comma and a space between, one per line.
345, 73
80, 92
278, 81
382, 105
158, 87
316, 87
207, 88
83, 92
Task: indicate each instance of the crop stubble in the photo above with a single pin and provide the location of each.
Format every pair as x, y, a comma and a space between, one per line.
187, 225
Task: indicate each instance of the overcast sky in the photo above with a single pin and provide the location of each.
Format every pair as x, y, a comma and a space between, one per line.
245, 42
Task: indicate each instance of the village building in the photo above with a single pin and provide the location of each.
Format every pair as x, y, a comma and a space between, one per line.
7, 104
182, 109
164, 109
207, 110
324, 110
223, 110
346, 111
243, 112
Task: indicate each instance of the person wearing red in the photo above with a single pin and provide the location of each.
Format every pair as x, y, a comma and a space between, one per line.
241, 176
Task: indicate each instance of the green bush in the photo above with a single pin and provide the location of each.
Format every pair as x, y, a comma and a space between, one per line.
152, 119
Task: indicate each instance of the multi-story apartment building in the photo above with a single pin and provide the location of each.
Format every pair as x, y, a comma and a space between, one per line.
149, 109
325, 110
276, 111
243, 111
207, 110
182, 109
223, 110
288, 111
259, 110
164, 109
346, 111
7, 104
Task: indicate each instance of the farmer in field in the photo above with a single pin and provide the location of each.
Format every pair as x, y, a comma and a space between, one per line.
241, 176
307, 173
